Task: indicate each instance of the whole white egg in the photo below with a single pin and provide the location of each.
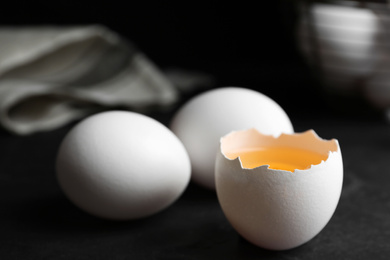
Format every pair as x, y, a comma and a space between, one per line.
201, 122
122, 165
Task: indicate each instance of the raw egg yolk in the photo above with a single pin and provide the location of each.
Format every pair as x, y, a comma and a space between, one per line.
278, 158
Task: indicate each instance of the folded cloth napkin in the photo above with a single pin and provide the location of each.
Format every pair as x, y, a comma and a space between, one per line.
52, 75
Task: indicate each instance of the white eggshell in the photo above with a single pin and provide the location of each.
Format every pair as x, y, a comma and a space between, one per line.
278, 209
122, 165
201, 122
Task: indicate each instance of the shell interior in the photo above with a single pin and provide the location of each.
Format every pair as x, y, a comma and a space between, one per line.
286, 152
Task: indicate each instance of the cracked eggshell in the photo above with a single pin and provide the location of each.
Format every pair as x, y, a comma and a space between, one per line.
278, 209
122, 165
201, 122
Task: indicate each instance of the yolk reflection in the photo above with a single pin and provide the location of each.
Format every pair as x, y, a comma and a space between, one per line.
278, 158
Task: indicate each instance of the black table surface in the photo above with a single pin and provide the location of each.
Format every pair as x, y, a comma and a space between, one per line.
38, 222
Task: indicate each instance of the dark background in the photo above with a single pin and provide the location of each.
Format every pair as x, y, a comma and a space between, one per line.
240, 44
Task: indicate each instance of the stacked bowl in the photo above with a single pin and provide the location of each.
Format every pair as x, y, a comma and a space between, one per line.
348, 44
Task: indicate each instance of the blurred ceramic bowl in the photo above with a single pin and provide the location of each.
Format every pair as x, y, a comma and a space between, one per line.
348, 46
345, 16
